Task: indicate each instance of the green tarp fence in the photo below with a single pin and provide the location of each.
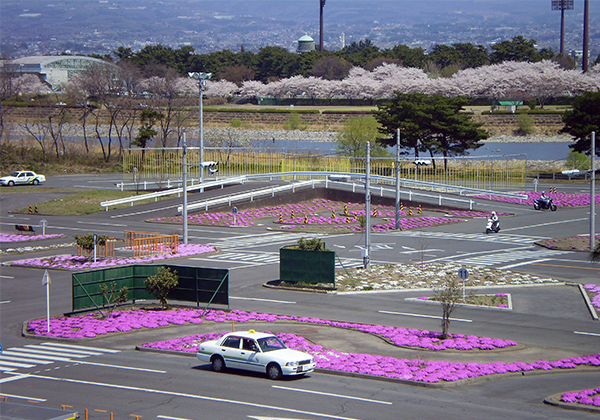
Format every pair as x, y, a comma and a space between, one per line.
196, 284
301, 266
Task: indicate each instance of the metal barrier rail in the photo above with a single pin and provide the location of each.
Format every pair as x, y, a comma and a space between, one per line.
131, 235
248, 195
107, 250
325, 176
178, 191
156, 245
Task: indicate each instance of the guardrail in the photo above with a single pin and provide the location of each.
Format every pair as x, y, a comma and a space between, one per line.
173, 191
326, 177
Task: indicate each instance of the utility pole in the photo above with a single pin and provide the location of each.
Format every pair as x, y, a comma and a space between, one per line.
593, 194
586, 36
397, 179
321, 26
184, 213
367, 251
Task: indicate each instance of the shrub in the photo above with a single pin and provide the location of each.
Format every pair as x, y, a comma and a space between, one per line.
526, 125
87, 241
295, 122
161, 284
314, 244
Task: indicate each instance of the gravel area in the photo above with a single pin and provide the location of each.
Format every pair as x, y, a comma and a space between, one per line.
429, 276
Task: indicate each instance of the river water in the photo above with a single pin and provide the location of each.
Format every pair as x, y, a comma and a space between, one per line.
549, 151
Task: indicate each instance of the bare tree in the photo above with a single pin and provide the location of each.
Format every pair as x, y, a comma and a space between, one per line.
449, 294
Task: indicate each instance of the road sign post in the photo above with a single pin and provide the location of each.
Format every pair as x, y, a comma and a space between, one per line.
234, 210
463, 274
46, 280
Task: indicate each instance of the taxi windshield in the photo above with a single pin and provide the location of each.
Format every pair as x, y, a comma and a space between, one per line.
271, 343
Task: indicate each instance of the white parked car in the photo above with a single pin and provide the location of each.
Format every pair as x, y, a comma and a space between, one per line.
22, 178
257, 352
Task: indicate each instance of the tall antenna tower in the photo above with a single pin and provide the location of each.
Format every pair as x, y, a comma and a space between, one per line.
321, 26
562, 5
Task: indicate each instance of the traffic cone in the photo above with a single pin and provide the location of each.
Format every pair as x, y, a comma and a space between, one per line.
333, 214
281, 218
345, 209
30, 209
420, 210
410, 213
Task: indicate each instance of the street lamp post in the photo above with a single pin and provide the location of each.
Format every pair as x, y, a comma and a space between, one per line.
201, 78
184, 173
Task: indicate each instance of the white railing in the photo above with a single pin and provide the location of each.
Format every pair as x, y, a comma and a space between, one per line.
315, 178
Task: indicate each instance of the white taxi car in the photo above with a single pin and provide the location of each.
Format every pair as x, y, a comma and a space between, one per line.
22, 178
257, 352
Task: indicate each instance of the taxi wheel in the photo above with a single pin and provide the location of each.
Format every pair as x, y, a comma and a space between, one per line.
11, 183
274, 371
218, 364
35, 182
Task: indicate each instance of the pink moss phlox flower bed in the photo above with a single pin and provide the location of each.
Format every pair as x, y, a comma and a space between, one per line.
561, 199
594, 291
391, 367
583, 397
90, 325
321, 212
5, 237
76, 262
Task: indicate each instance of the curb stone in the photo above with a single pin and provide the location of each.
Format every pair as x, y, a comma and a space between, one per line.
555, 400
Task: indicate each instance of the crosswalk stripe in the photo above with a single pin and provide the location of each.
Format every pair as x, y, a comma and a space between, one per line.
21, 359
18, 365
267, 238
28, 352
31, 355
504, 257
68, 351
37, 356
72, 346
479, 237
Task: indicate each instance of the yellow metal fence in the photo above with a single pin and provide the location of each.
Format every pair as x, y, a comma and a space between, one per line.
502, 172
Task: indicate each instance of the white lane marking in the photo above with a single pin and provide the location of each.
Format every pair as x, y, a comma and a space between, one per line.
186, 395
172, 418
4, 301
508, 267
137, 213
72, 346
7, 369
545, 224
586, 333
7, 277
80, 362
331, 395
423, 316
102, 224
286, 302
70, 353
21, 397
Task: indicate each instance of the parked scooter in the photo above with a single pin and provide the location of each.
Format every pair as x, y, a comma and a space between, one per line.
493, 224
544, 203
